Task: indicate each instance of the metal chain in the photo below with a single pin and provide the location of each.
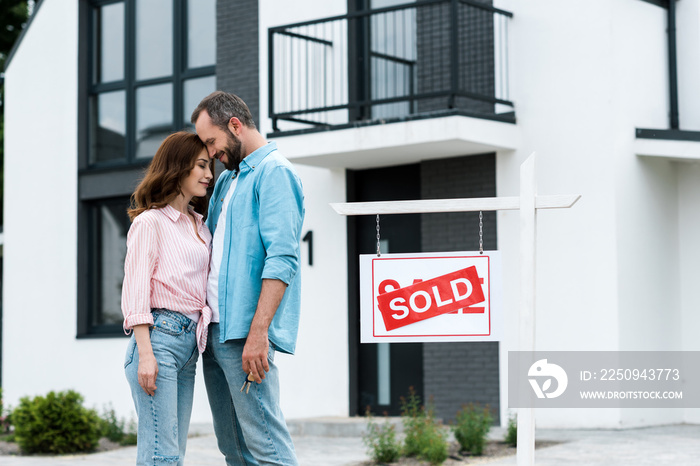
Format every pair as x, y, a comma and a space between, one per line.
378, 251
481, 233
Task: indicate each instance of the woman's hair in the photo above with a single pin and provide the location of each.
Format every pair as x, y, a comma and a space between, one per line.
161, 184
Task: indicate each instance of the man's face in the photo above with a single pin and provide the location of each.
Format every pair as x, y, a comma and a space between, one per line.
221, 144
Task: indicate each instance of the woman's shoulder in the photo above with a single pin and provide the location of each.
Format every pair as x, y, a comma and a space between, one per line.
151, 217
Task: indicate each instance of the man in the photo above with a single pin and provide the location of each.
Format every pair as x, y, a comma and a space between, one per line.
255, 216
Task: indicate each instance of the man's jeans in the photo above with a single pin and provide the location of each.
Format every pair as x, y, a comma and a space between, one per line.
164, 418
250, 428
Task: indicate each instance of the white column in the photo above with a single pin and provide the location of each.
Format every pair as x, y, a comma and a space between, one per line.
528, 223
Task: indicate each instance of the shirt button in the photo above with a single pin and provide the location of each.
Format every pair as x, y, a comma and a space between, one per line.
222, 199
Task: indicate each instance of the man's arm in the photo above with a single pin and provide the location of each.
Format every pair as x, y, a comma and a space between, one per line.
281, 216
257, 344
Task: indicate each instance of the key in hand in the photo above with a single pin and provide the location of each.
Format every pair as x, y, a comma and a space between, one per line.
247, 383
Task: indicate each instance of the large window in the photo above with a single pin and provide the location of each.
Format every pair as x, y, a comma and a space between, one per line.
151, 62
144, 67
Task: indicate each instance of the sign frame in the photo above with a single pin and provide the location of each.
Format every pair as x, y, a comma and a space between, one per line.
416, 268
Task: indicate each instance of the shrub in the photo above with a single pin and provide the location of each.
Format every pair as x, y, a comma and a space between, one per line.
424, 437
130, 434
381, 441
57, 423
435, 447
6, 426
512, 432
5, 420
111, 426
473, 425
413, 418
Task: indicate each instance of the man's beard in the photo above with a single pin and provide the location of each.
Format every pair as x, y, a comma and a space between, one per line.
233, 151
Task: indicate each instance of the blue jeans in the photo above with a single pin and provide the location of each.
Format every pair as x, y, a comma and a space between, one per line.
250, 428
164, 418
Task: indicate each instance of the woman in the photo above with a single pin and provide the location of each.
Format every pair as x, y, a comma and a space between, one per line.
164, 294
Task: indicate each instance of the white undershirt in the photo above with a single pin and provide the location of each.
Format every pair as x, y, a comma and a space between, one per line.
217, 255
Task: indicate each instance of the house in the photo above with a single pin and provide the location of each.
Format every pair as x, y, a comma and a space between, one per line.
371, 100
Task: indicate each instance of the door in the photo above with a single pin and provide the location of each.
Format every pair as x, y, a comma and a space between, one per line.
381, 373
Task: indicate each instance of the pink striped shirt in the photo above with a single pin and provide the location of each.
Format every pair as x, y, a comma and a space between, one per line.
166, 266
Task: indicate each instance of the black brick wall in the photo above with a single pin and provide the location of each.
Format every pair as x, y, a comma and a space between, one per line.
459, 373
237, 57
475, 57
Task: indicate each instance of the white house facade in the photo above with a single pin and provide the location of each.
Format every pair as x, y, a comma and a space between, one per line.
371, 100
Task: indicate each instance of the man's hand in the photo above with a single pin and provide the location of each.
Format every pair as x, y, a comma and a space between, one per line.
257, 345
255, 355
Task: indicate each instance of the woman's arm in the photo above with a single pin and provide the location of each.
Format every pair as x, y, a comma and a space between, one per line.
148, 366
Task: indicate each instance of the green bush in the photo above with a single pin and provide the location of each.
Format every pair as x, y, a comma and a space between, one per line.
413, 418
130, 434
472, 427
424, 437
111, 426
57, 423
512, 432
435, 447
5, 420
381, 441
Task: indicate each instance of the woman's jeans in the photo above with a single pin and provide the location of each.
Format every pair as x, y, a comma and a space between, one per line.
164, 418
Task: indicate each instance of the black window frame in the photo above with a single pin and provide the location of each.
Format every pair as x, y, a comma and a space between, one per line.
111, 180
130, 84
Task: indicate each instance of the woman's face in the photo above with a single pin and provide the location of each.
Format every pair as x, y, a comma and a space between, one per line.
196, 183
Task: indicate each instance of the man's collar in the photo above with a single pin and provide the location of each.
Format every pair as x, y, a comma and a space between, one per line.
255, 157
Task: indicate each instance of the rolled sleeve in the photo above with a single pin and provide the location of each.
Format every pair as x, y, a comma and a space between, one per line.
139, 265
281, 217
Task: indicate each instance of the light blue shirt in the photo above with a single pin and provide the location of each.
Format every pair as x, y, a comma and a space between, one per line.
263, 231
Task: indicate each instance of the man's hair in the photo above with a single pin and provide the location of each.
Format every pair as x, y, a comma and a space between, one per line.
221, 106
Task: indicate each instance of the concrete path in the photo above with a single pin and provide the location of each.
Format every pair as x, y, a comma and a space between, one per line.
677, 445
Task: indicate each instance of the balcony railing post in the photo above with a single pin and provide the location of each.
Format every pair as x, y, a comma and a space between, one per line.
366, 108
454, 53
271, 78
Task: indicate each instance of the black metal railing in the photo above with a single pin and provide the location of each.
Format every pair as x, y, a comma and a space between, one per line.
413, 59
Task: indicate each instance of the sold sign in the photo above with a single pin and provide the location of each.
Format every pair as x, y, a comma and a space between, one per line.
420, 297
428, 298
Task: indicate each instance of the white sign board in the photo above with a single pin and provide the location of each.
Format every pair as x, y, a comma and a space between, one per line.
447, 296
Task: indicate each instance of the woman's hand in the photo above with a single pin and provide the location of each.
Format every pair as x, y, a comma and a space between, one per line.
148, 366
147, 373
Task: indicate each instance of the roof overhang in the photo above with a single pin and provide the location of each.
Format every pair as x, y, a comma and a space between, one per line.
400, 143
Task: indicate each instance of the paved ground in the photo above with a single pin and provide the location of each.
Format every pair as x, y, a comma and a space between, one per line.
676, 445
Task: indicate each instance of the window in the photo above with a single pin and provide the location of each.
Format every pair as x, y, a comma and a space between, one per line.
151, 62
109, 224
144, 66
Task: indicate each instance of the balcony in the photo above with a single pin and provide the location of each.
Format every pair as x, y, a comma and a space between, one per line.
414, 61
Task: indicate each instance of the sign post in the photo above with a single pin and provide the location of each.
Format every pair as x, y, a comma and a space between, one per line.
528, 203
